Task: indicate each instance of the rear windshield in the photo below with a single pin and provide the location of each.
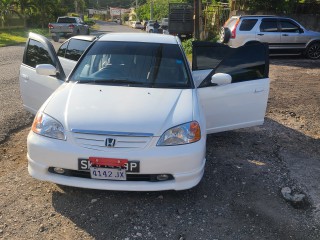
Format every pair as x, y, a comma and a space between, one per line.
133, 64
67, 20
231, 22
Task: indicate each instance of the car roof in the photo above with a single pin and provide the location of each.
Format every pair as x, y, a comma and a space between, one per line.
243, 16
139, 37
89, 38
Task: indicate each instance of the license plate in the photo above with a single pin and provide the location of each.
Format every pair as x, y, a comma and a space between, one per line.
183, 35
118, 174
130, 167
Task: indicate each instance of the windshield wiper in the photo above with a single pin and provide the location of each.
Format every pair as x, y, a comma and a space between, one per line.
117, 81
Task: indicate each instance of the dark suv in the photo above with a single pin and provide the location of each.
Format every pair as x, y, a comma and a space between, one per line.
284, 35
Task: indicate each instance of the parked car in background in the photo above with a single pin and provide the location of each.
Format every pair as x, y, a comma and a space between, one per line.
149, 27
67, 27
132, 116
71, 50
137, 25
283, 35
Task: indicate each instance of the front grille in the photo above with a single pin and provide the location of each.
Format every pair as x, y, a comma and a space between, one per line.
98, 142
130, 177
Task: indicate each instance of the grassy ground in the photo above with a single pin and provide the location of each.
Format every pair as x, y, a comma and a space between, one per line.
17, 36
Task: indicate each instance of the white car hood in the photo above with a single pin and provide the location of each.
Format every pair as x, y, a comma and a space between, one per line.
120, 109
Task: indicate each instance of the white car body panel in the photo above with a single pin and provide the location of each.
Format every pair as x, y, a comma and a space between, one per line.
120, 109
31, 83
239, 105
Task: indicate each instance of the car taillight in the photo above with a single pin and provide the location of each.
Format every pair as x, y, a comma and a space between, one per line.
71, 26
50, 26
233, 32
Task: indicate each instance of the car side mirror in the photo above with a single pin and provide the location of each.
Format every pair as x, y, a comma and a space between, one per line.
46, 70
301, 30
221, 79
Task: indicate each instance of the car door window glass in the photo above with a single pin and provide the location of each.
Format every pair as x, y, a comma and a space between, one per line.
62, 50
245, 63
36, 53
75, 49
208, 55
269, 26
247, 24
287, 26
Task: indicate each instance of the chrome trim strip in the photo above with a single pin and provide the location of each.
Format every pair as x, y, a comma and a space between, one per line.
110, 133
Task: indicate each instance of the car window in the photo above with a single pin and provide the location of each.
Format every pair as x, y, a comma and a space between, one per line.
208, 55
76, 48
246, 63
36, 53
247, 24
62, 50
230, 23
269, 26
139, 64
288, 26
67, 20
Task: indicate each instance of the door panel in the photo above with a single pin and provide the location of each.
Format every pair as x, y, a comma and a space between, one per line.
268, 32
241, 103
34, 88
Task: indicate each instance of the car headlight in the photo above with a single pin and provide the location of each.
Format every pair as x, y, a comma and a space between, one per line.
182, 134
47, 126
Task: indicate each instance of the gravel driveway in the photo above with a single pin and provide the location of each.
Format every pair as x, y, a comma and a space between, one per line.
239, 197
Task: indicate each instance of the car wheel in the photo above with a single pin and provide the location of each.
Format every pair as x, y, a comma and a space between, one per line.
55, 38
225, 35
88, 31
313, 51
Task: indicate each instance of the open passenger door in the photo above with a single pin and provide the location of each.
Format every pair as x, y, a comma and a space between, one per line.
35, 88
233, 84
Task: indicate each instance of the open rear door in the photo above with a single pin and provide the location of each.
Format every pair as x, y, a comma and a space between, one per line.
241, 102
35, 89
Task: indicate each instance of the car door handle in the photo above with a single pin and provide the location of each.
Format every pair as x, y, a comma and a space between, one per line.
285, 35
260, 34
25, 76
258, 90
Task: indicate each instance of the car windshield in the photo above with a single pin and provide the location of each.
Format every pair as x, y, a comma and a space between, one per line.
133, 64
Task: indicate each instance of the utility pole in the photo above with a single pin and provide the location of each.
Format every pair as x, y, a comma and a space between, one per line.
196, 18
151, 10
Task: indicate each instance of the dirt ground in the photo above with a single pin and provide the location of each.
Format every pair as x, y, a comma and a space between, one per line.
239, 197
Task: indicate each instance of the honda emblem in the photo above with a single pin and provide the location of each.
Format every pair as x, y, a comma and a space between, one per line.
110, 142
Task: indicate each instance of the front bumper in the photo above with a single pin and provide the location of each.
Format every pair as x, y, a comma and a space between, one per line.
186, 164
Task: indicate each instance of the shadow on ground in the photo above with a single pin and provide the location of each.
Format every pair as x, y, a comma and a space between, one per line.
238, 198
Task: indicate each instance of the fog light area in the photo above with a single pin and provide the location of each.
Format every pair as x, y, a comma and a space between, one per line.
162, 177
59, 170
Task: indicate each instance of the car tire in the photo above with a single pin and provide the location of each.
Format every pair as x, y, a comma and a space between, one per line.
225, 35
88, 31
313, 50
150, 31
55, 38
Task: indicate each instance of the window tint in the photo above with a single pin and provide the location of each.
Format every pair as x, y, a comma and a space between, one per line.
134, 64
287, 26
36, 54
245, 63
269, 26
76, 48
208, 55
62, 50
247, 24
67, 20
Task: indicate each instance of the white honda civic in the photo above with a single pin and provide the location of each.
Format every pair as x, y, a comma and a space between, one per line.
132, 115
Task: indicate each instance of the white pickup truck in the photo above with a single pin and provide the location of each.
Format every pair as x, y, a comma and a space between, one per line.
68, 26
